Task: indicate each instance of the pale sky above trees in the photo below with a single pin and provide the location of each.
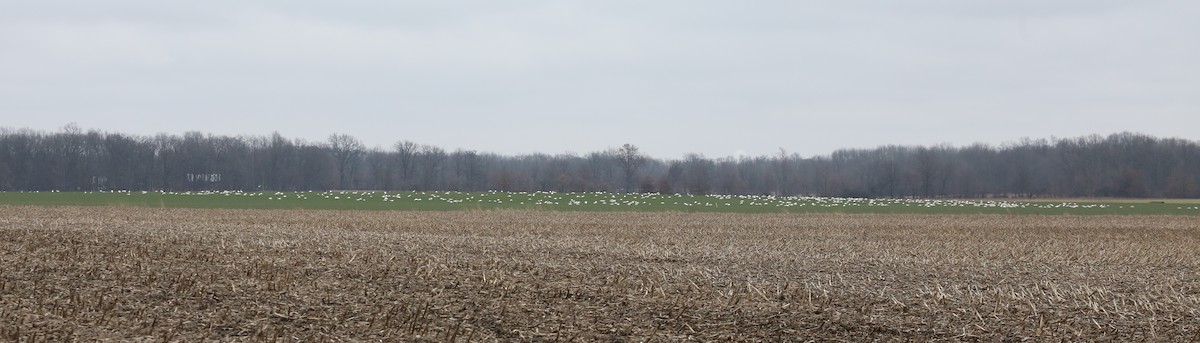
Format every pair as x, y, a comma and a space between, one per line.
672, 77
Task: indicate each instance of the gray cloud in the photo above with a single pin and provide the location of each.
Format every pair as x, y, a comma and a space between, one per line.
671, 76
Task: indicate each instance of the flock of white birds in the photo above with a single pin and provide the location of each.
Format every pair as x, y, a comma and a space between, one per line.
646, 200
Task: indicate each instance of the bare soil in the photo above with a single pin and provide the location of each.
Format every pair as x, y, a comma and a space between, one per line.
138, 274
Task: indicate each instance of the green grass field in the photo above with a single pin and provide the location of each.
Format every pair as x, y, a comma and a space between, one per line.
444, 201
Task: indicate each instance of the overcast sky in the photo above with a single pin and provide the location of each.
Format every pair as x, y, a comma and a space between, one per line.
719, 78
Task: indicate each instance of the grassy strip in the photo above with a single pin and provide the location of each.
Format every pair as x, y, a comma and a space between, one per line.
592, 202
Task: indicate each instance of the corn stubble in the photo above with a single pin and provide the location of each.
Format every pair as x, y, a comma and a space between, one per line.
134, 274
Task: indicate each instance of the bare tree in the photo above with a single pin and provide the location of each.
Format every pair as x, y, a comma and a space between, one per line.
382, 169
345, 150
6, 177
280, 164
783, 171
697, 174
469, 174
932, 171
406, 162
430, 161
629, 159
1125, 164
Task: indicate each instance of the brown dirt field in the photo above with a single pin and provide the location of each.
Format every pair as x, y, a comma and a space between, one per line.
136, 274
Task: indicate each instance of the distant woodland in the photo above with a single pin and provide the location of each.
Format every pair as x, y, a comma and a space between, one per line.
1118, 165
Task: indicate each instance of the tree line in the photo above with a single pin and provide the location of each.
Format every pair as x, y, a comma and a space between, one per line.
1118, 165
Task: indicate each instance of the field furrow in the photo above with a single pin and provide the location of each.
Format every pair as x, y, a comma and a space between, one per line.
145, 274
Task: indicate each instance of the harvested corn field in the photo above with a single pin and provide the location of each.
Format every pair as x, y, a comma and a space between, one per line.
142, 274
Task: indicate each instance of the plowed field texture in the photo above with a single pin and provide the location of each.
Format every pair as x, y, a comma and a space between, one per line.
155, 274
